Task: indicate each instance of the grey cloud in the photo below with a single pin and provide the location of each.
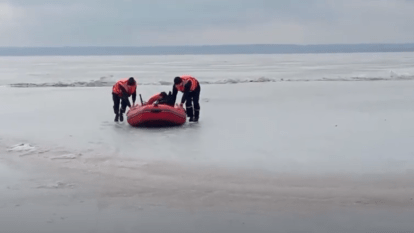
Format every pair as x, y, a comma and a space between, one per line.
117, 22
181, 13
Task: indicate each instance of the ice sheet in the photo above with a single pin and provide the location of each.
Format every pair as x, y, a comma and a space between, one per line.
301, 127
263, 155
104, 70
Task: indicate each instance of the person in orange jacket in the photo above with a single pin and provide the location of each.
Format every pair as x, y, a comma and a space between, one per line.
161, 98
121, 91
157, 97
191, 93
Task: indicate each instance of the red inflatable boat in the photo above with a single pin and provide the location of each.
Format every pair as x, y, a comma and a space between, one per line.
153, 114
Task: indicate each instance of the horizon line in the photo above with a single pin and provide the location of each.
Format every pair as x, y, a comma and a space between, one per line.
204, 45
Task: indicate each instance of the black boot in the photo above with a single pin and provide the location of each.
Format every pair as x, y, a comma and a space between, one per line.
190, 113
196, 114
121, 116
116, 117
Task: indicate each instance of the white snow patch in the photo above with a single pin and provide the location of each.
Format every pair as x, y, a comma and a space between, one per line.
102, 83
22, 147
66, 156
130, 164
56, 185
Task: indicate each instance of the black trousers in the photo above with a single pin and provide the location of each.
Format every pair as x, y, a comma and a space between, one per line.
193, 98
117, 100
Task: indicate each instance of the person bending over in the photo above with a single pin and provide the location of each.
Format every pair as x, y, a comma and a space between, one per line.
191, 95
121, 91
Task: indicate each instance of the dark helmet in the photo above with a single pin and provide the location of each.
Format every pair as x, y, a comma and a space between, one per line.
163, 94
177, 80
131, 81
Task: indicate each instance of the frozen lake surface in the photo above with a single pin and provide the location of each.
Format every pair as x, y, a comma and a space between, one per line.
330, 133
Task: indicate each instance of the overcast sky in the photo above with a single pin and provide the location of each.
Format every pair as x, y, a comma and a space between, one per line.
197, 22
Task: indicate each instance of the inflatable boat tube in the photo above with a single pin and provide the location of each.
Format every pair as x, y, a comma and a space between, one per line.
156, 115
